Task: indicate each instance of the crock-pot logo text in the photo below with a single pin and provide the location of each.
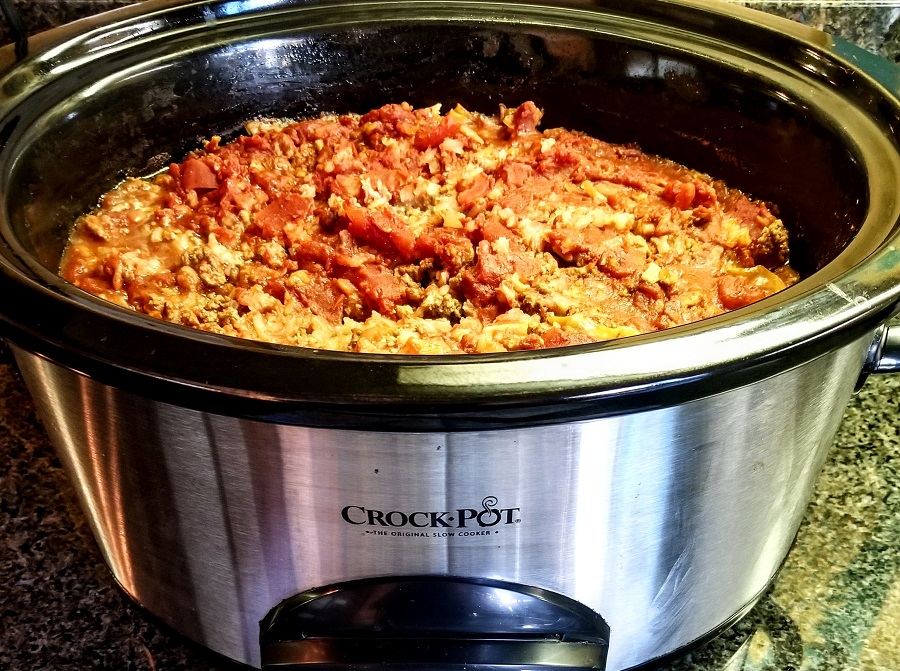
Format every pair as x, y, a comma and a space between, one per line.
490, 515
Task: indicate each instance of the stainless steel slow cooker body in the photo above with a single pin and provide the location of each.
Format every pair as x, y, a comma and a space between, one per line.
658, 480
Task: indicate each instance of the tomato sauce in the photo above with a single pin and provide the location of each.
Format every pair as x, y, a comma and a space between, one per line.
407, 231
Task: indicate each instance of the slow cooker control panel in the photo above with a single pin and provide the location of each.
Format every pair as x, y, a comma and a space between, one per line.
438, 623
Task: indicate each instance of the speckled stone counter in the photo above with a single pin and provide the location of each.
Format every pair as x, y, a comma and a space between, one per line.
872, 24
835, 605
38, 15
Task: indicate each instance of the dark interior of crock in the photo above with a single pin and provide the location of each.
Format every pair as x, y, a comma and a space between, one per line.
729, 124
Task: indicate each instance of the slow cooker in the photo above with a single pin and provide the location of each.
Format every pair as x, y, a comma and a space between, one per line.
596, 506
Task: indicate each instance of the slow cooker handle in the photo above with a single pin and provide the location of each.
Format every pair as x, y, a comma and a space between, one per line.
433, 623
884, 354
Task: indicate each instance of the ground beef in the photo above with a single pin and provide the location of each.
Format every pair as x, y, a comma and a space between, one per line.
407, 231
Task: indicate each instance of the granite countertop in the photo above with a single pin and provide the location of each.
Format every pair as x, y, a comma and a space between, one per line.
835, 605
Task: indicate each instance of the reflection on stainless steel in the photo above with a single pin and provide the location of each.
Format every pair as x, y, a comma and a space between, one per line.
705, 82
658, 480
662, 521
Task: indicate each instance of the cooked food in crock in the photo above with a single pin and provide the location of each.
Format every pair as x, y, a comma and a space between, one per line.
407, 231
